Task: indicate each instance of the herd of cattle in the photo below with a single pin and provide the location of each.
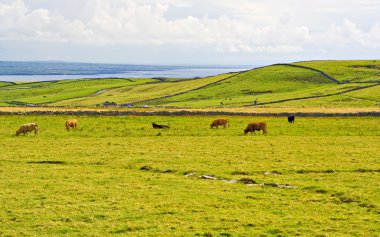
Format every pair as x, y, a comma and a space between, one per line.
73, 123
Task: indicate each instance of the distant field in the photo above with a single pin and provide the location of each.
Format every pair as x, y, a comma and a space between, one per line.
226, 110
47, 92
142, 92
3, 83
361, 98
247, 86
348, 70
303, 84
117, 175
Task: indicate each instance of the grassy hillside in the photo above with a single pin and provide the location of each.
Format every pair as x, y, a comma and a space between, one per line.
303, 84
348, 71
266, 84
52, 91
4, 83
368, 97
143, 91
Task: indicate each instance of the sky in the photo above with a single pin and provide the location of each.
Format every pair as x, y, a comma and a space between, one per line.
184, 32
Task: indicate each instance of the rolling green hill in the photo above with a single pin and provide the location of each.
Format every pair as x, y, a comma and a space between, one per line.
266, 84
301, 84
53, 91
4, 83
348, 70
142, 92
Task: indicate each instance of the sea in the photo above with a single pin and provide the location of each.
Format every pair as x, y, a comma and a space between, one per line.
51, 71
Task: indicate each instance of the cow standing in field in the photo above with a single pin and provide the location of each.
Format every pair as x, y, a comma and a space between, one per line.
29, 127
291, 119
252, 127
71, 123
219, 122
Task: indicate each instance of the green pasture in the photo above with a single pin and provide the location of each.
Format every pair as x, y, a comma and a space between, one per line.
274, 86
245, 87
142, 92
52, 91
4, 83
348, 70
118, 176
296, 98
269, 84
368, 97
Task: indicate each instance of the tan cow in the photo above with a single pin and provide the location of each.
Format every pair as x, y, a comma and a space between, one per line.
71, 123
29, 127
252, 127
219, 122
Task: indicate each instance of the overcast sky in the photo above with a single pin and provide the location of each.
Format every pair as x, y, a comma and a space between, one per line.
232, 32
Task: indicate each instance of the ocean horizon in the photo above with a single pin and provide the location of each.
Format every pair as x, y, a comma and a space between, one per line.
51, 71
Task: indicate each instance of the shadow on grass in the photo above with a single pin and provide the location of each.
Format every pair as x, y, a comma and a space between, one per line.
47, 162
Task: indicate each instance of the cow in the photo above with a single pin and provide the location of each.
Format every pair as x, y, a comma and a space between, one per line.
71, 123
159, 126
291, 119
252, 127
219, 122
29, 127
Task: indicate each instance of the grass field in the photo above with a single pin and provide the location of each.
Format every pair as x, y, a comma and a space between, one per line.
356, 85
117, 175
348, 70
4, 83
144, 91
52, 91
242, 89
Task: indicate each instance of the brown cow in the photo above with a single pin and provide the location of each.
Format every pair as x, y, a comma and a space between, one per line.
29, 127
221, 122
71, 123
252, 127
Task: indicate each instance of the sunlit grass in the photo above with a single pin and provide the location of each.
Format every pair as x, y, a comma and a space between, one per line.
117, 175
142, 92
51, 91
348, 70
273, 86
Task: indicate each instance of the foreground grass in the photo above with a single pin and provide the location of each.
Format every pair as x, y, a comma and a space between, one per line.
116, 175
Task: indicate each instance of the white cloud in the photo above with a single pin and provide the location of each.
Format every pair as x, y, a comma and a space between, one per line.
347, 35
236, 26
17, 22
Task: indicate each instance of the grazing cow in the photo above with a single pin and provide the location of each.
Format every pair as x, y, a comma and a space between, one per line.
28, 128
291, 119
159, 126
71, 123
219, 122
252, 127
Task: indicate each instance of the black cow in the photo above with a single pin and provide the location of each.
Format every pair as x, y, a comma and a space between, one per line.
159, 126
291, 119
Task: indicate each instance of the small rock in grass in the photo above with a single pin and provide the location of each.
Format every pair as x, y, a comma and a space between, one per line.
208, 177
145, 167
190, 174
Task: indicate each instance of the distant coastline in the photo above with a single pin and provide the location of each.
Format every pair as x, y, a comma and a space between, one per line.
48, 71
